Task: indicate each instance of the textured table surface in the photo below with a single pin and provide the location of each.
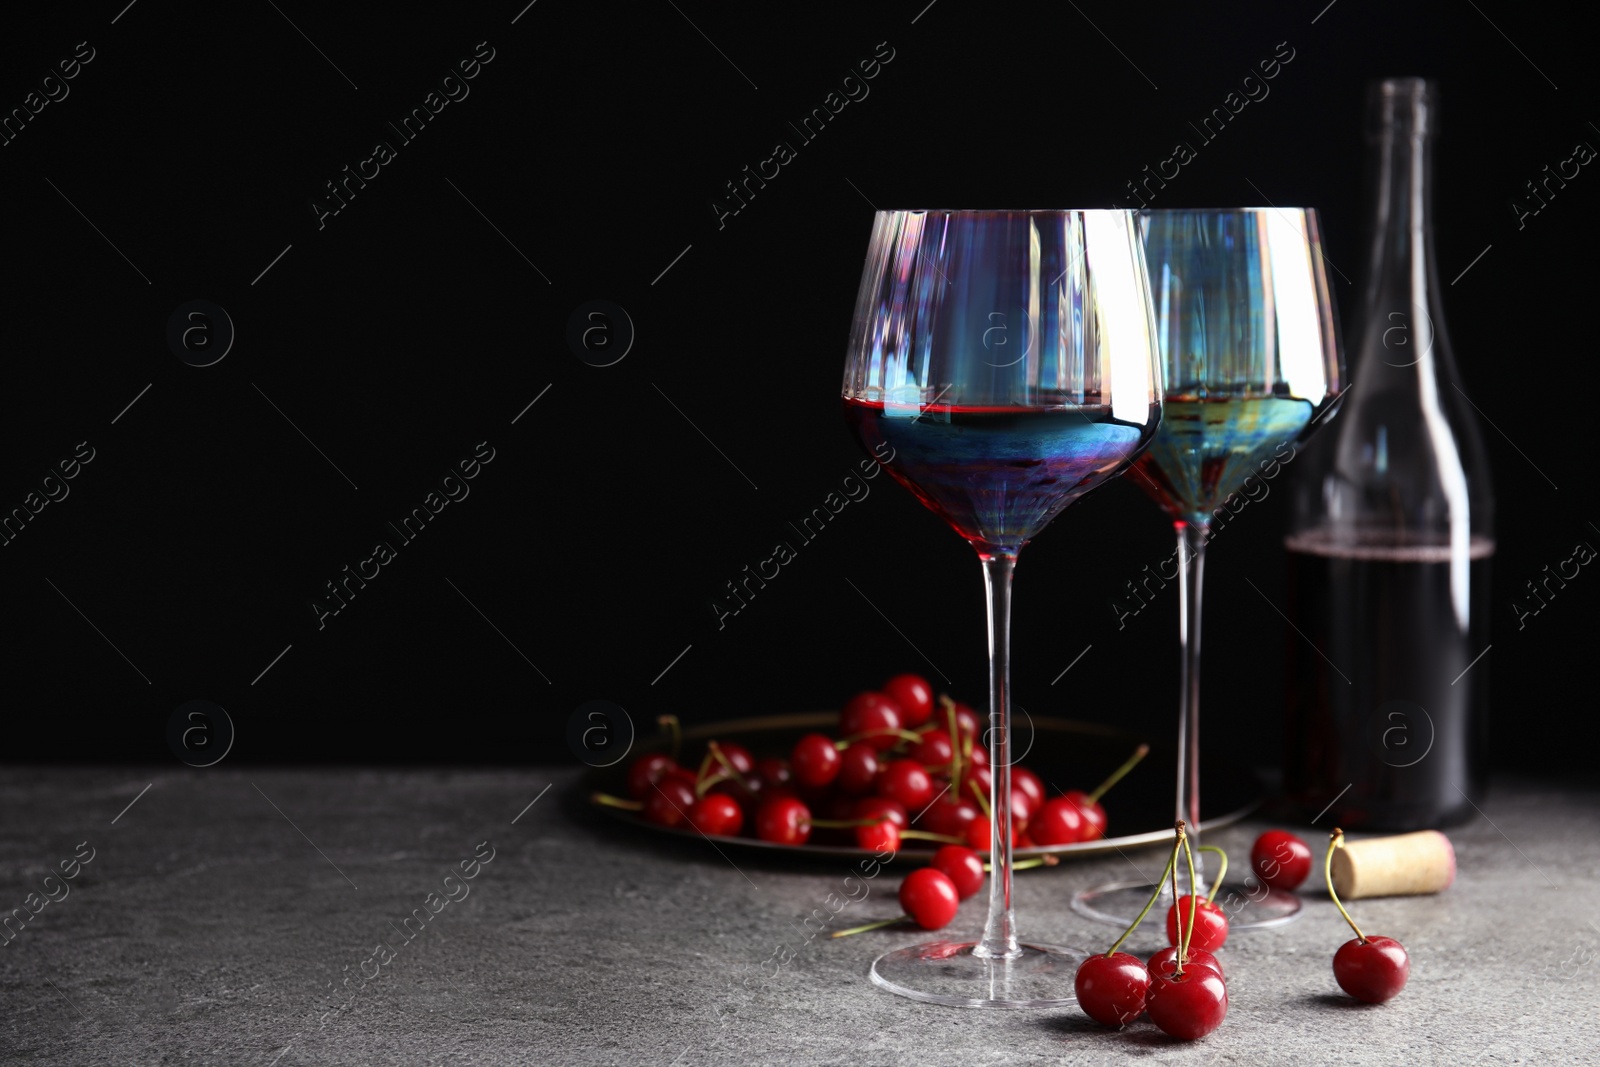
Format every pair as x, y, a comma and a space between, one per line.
222, 912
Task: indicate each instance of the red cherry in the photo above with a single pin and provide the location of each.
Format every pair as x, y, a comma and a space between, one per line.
669, 801
871, 713
876, 808
1165, 961
1059, 822
1024, 841
738, 755
929, 897
914, 696
858, 769
716, 813
1189, 1005
1280, 859
784, 821
1094, 816
1210, 924
879, 837
681, 774
815, 761
934, 750
980, 757
949, 816
984, 777
1373, 970
980, 837
1025, 781
1023, 808
774, 771
1112, 989
964, 868
905, 780
646, 771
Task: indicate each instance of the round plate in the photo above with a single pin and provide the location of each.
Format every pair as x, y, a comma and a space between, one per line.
1065, 753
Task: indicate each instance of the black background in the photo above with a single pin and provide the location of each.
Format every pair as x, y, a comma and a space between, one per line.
408, 329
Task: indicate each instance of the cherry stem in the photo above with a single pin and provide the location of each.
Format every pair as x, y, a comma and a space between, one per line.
705, 765
1172, 861
606, 800
670, 724
870, 926
1336, 840
722, 758
1221, 871
1194, 904
1117, 775
1047, 860
704, 785
929, 835
903, 735
955, 738
983, 801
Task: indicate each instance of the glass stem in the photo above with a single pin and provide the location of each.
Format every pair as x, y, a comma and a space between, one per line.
1000, 934
1191, 554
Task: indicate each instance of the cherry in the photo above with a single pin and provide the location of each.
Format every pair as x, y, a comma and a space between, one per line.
874, 714
784, 821
1059, 822
1088, 804
914, 696
980, 837
1112, 988
1281, 859
680, 774
1188, 1005
949, 815
983, 777
905, 780
1022, 808
881, 836
815, 760
934, 750
646, 771
929, 897
716, 814
669, 801
1023, 781
1092, 814
1165, 961
737, 755
858, 768
964, 868
1372, 970
1210, 924
980, 755
876, 808
774, 772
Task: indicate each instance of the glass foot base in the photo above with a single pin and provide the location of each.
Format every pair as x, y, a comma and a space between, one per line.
1252, 907
946, 972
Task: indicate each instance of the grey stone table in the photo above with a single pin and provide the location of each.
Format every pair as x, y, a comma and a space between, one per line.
223, 917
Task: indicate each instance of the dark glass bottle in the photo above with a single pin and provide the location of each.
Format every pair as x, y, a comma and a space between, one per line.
1391, 535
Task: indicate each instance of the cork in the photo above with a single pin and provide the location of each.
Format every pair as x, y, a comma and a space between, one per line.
1423, 862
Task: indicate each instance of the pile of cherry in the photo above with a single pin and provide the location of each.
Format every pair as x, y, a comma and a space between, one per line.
901, 758
1183, 988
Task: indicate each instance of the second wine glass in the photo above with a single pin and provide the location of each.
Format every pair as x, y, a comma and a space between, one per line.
1246, 326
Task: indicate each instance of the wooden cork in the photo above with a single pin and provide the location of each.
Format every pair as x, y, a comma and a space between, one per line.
1406, 865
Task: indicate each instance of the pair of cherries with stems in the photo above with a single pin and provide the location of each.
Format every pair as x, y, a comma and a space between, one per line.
1181, 987
930, 895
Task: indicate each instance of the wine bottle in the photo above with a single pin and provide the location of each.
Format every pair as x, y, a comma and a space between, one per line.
1391, 534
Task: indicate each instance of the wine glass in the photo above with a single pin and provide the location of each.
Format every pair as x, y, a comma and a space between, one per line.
1001, 365
1252, 361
